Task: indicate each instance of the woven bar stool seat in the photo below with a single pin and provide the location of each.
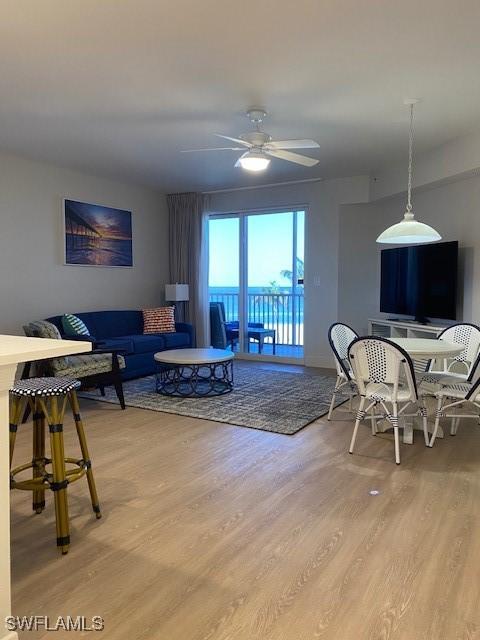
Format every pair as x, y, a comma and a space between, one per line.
44, 387
47, 399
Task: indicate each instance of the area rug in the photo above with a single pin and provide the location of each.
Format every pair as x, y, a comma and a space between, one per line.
266, 399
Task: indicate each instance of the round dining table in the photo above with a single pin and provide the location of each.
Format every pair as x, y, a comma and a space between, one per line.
425, 349
428, 348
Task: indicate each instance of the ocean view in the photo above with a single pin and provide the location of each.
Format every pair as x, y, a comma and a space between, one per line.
276, 308
274, 260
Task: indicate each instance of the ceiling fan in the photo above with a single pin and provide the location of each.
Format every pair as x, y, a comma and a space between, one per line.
260, 146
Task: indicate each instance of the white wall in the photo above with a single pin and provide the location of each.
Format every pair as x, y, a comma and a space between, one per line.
452, 208
34, 282
453, 160
358, 294
323, 200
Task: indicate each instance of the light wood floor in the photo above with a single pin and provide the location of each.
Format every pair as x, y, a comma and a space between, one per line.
216, 532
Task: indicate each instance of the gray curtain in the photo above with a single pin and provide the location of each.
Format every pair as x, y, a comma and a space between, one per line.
188, 235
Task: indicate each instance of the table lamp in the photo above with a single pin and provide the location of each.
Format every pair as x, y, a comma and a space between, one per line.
177, 293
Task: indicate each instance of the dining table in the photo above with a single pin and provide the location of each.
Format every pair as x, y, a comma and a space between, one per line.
429, 348
15, 350
421, 350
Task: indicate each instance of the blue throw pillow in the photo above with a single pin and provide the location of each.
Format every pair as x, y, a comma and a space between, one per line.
73, 326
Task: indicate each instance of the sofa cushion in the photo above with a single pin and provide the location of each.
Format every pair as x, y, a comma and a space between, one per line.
113, 324
87, 365
148, 343
123, 343
176, 340
108, 324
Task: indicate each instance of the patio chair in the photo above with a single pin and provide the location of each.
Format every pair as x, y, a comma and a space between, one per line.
218, 334
223, 333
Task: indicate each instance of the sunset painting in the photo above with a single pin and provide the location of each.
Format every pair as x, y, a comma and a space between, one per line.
97, 236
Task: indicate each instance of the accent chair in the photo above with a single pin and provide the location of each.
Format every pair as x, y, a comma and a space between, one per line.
99, 367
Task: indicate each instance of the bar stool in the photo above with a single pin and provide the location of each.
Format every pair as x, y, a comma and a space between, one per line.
47, 398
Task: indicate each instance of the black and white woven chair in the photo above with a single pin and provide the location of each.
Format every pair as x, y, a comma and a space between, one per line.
340, 337
458, 368
384, 375
454, 396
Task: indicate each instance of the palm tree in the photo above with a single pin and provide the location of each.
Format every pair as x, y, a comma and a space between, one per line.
288, 274
274, 298
273, 293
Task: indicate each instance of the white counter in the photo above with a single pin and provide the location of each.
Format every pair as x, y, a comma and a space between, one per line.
15, 350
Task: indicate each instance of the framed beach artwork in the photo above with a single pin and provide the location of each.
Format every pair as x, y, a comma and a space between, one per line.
96, 235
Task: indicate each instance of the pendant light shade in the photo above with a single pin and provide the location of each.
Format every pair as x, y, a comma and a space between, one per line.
409, 230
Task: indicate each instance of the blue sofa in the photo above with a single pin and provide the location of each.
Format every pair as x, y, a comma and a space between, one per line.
124, 330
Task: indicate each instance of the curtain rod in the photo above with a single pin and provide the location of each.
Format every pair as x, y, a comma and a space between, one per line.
263, 186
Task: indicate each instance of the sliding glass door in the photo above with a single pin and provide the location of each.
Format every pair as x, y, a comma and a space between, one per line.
256, 271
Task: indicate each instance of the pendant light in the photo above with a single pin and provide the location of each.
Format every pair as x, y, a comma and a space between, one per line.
409, 230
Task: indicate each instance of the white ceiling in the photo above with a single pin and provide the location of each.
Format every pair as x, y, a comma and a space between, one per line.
119, 87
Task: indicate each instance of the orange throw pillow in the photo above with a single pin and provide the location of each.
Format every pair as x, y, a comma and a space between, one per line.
160, 320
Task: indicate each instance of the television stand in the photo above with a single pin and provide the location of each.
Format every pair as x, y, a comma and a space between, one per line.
403, 328
420, 322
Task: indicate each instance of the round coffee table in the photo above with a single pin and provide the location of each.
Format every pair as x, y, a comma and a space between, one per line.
194, 373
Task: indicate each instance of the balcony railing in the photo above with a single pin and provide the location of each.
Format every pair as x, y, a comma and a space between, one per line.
280, 311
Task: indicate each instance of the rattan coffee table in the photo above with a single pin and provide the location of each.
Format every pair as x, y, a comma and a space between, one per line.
194, 373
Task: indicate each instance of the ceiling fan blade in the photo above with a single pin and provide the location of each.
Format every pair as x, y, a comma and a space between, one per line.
213, 149
237, 140
293, 144
292, 157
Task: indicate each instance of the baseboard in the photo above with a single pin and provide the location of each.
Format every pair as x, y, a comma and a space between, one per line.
255, 357
318, 361
309, 361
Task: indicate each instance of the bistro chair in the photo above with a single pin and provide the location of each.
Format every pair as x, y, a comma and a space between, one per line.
384, 375
454, 396
340, 337
458, 368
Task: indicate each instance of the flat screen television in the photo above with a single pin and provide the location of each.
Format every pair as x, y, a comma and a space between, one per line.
420, 281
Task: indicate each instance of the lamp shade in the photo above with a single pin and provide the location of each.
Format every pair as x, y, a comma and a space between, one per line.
409, 231
254, 161
176, 292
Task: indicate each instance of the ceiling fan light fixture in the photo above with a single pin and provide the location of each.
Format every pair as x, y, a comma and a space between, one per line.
254, 161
